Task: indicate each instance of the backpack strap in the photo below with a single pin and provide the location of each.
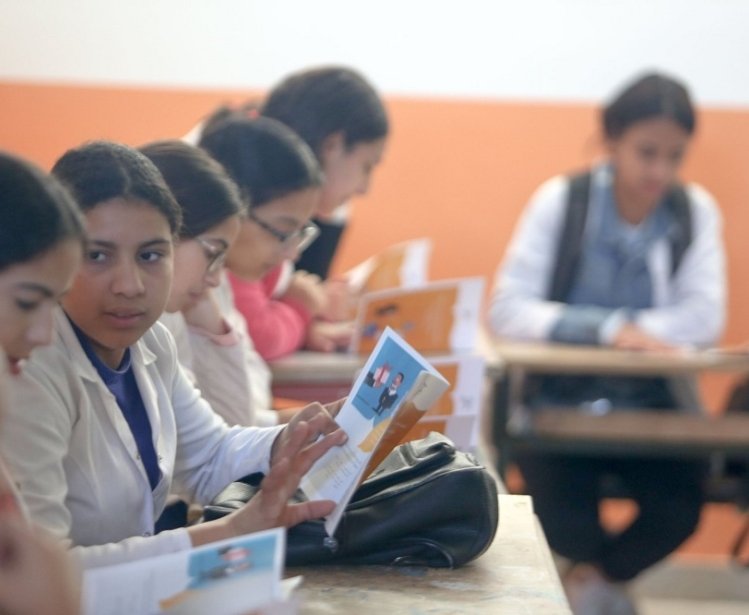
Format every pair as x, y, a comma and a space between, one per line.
570, 241
569, 245
677, 202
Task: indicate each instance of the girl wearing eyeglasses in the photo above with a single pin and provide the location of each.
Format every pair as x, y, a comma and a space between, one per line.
281, 184
211, 335
105, 422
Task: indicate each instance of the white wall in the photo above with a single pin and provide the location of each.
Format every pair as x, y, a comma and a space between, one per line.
537, 49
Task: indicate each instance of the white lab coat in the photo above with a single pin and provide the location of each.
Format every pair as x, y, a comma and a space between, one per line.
689, 307
76, 462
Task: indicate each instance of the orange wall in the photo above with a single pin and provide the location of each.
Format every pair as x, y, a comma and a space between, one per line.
457, 171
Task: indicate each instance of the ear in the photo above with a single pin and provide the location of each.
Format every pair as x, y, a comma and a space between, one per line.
333, 145
609, 144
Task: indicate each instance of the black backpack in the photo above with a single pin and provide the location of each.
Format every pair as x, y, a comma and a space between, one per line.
570, 241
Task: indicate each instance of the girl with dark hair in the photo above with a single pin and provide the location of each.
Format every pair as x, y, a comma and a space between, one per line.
211, 336
342, 118
41, 240
280, 181
105, 423
41, 235
623, 256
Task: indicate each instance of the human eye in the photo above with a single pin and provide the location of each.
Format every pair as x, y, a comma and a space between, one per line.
152, 256
96, 256
26, 305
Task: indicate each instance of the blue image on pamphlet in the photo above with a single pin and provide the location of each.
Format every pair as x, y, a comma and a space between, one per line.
230, 560
385, 385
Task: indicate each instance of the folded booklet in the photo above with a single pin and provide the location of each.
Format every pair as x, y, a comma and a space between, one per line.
393, 391
234, 576
438, 317
401, 265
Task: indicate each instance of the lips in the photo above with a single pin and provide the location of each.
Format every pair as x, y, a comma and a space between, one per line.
124, 318
14, 365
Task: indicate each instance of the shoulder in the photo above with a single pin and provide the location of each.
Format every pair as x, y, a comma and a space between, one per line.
552, 193
703, 204
158, 346
546, 207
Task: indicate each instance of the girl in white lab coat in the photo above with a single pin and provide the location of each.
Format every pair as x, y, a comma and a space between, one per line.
41, 235
105, 422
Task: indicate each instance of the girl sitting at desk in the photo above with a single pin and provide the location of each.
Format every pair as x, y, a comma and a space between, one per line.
104, 422
625, 256
41, 243
343, 121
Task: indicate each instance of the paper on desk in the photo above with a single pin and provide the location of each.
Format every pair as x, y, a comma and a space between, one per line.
402, 265
222, 578
439, 317
394, 389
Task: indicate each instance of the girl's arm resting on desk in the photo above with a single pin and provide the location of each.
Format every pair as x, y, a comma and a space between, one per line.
277, 328
693, 308
519, 308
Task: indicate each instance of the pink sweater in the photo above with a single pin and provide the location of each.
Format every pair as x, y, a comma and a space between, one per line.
277, 326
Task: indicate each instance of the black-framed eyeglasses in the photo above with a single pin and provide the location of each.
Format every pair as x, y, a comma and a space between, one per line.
298, 240
215, 254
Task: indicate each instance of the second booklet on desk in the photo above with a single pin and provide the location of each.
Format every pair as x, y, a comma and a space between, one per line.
394, 389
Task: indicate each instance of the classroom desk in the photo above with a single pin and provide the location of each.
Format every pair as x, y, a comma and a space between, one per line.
639, 432
516, 575
315, 376
320, 376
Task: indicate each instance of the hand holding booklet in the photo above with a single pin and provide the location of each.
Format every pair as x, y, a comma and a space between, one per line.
395, 388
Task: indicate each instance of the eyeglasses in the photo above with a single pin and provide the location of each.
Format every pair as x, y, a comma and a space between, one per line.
298, 240
215, 255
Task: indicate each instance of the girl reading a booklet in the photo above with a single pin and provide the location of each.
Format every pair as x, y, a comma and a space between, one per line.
211, 336
338, 113
104, 422
280, 180
342, 119
41, 235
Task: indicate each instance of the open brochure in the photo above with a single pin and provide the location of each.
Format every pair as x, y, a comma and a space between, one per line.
394, 389
402, 265
229, 577
436, 318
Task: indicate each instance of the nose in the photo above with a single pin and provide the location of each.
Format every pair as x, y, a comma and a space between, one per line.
664, 170
363, 186
40, 330
127, 280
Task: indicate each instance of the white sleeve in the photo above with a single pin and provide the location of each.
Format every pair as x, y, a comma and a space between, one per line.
35, 441
210, 454
220, 369
256, 369
695, 310
131, 549
519, 308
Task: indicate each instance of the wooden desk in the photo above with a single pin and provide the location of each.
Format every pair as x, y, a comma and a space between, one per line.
624, 433
320, 376
315, 376
516, 575
568, 359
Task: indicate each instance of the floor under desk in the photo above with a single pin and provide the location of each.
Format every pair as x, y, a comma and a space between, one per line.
516, 575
